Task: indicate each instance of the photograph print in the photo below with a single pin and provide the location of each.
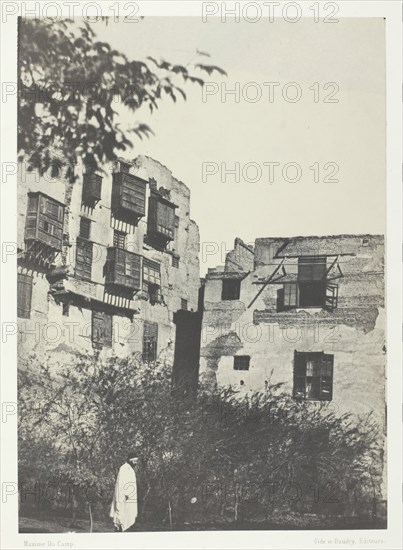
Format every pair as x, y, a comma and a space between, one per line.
201, 286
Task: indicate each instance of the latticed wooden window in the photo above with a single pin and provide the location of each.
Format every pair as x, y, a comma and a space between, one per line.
53, 210
161, 217
150, 341
119, 239
241, 362
184, 304
85, 228
313, 376
44, 222
24, 295
83, 259
151, 272
151, 280
102, 328
123, 268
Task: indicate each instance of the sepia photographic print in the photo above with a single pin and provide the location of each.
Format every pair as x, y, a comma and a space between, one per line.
203, 275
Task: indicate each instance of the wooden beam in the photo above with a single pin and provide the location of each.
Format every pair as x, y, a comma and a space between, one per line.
267, 282
331, 266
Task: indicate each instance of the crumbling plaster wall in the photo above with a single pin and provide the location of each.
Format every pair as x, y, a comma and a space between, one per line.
354, 333
51, 334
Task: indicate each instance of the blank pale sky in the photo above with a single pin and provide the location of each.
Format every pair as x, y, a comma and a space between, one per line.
350, 133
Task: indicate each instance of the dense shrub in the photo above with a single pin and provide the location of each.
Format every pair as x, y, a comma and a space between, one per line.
220, 458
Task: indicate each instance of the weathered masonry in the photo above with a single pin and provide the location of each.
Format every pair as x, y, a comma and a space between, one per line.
105, 260
307, 312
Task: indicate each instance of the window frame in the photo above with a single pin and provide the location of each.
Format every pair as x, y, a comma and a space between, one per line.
104, 336
175, 262
151, 280
320, 381
24, 297
85, 228
240, 361
311, 289
226, 295
150, 342
83, 266
117, 239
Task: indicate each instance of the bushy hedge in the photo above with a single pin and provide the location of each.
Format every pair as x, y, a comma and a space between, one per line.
218, 458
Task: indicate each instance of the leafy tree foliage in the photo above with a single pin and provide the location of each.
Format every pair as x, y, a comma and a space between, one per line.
217, 461
69, 85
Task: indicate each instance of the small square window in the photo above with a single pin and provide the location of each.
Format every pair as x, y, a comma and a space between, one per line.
55, 169
119, 239
184, 304
231, 289
175, 261
241, 362
85, 228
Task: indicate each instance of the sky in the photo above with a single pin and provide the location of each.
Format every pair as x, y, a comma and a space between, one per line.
340, 144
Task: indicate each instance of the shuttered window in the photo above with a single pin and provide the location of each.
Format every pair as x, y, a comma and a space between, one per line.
311, 288
290, 295
85, 228
313, 376
83, 259
24, 295
150, 341
102, 328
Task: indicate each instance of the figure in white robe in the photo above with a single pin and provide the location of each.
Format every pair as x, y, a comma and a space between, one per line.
124, 506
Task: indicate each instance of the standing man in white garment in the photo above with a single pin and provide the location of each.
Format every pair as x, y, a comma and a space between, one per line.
124, 506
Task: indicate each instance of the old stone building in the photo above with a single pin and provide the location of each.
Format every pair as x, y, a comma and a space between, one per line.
306, 312
105, 260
